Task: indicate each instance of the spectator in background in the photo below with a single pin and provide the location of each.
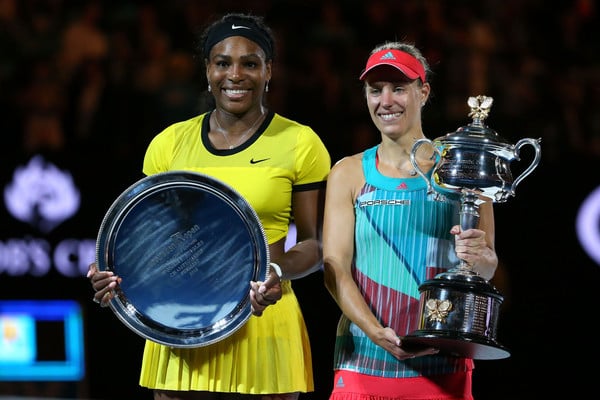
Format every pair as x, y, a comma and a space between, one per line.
82, 39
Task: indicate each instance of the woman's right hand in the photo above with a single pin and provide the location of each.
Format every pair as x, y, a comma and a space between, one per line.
389, 340
104, 283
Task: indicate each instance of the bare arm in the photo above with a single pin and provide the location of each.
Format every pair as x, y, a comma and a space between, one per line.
302, 259
345, 180
305, 256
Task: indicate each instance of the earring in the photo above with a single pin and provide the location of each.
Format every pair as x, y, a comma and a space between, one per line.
267, 87
209, 88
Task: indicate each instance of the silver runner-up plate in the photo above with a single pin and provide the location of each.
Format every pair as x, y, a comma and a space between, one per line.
186, 247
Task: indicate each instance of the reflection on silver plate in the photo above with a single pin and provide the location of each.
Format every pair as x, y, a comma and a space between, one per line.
186, 247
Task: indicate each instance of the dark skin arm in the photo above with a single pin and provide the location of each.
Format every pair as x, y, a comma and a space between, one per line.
300, 260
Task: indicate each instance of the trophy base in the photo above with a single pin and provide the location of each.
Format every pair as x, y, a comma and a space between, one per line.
459, 312
457, 344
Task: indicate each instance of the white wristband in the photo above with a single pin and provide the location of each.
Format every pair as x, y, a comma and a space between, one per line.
276, 268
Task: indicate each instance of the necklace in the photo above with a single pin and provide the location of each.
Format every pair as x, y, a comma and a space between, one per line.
239, 141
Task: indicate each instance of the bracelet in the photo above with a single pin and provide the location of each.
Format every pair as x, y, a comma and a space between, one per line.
276, 268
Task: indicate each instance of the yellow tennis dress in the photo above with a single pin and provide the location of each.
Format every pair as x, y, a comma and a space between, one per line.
271, 353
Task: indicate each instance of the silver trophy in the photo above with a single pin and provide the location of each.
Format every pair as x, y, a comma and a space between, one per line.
459, 308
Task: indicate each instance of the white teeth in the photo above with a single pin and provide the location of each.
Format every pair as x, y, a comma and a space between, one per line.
234, 92
389, 117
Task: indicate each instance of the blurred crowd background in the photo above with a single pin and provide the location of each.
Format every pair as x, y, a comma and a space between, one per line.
88, 83
107, 76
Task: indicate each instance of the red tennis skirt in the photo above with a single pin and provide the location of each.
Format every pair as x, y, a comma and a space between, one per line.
348, 385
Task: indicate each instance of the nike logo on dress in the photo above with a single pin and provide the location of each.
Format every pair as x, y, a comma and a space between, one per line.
253, 161
234, 26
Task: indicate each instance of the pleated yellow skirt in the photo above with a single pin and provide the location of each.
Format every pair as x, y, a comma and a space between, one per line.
269, 354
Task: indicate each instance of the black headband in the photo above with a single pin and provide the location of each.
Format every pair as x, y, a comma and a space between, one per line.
237, 27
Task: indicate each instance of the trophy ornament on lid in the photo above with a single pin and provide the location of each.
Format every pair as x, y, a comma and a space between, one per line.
459, 308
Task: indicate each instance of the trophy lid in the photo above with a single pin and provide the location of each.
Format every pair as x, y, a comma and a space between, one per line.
476, 132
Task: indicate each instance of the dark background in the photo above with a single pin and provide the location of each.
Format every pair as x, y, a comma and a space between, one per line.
87, 84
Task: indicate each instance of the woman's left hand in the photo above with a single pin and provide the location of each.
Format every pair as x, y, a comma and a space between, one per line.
470, 244
264, 294
472, 247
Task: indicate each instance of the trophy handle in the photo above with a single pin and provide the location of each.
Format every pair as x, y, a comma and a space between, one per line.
536, 160
413, 161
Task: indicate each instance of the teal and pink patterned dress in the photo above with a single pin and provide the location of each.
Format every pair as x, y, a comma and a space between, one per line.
402, 238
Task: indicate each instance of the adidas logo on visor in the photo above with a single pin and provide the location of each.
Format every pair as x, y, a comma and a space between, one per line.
388, 56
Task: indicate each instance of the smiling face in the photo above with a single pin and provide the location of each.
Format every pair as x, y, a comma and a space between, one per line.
237, 71
395, 102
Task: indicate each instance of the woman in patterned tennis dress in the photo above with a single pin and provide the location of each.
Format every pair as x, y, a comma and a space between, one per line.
384, 235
